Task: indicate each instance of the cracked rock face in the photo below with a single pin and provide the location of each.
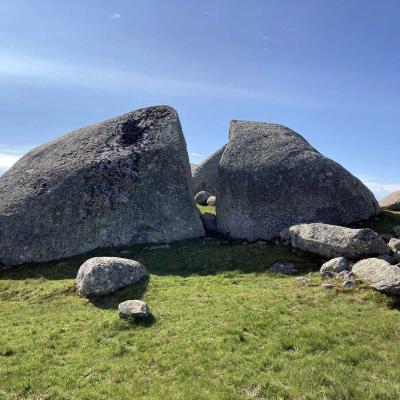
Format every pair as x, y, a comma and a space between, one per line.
271, 178
113, 183
100, 276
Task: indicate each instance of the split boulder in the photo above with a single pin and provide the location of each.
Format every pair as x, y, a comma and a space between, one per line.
110, 184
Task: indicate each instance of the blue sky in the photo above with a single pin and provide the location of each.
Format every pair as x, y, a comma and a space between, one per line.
327, 69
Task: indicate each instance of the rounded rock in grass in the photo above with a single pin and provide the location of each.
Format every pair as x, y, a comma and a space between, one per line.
202, 197
209, 222
133, 309
337, 264
327, 286
212, 201
100, 276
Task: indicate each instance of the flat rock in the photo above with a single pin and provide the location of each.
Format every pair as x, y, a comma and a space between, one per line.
205, 177
114, 183
391, 202
382, 276
270, 178
337, 264
133, 309
327, 286
100, 276
337, 241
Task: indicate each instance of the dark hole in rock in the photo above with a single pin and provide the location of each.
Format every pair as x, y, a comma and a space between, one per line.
131, 132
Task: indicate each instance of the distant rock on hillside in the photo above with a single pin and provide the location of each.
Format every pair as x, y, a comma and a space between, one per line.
114, 183
270, 178
206, 175
391, 202
193, 167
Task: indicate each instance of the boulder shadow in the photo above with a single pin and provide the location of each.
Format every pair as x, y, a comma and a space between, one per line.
133, 292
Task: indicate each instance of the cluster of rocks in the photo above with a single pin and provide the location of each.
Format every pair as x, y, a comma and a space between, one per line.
101, 276
357, 253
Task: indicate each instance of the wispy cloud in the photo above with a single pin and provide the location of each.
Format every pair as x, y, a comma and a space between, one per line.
267, 38
7, 160
288, 28
116, 16
378, 187
195, 154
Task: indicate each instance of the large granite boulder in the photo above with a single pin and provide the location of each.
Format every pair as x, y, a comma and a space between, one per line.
270, 178
100, 276
205, 177
391, 202
337, 241
114, 183
383, 276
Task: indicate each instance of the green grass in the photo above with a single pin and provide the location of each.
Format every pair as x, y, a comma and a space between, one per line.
384, 223
224, 328
206, 209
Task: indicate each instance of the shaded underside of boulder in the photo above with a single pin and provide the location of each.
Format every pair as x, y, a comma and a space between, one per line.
113, 183
391, 202
205, 177
271, 178
337, 241
383, 276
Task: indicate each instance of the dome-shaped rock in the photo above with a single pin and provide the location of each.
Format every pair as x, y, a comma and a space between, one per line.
271, 178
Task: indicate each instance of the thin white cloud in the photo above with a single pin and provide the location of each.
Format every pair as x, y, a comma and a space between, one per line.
267, 38
116, 16
288, 28
379, 188
7, 160
195, 154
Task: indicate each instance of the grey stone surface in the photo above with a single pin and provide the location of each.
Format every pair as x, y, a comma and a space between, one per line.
100, 276
396, 230
394, 245
202, 197
349, 283
389, 258
209, 222
133, 309
344, 275
382, 276
391, 202
205, 177
212, 201
327, 286
337, 264
284, 268
271, 178
337, 241
117, 182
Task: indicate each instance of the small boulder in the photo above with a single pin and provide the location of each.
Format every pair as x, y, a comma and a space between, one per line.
133, 309
396, 230
337, 264
284, 268
327, 286
100, 276
209, 222
202, 197
349, 283
344, 275
386, 237
391, 202
335, 241
212, 201
394, 245
303, 279
383, 276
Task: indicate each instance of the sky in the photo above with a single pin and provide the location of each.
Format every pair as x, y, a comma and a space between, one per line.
327, 69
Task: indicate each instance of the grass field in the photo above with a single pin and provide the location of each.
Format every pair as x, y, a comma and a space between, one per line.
224, 328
